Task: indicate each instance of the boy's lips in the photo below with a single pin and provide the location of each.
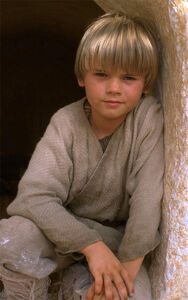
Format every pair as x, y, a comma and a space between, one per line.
113, 102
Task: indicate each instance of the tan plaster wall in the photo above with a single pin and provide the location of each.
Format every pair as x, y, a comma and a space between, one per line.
169, 272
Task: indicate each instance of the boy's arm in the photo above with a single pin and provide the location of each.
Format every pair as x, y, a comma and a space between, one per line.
145, 187
45, 187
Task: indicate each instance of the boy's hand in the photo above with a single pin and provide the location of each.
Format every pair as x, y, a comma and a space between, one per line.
107, 271
91, 294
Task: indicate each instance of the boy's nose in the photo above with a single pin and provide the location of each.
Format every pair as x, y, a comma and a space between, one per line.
113, 86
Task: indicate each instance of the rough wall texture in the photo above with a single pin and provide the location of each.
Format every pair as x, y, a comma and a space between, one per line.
169, 272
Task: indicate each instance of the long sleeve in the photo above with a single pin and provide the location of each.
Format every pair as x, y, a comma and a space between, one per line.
44, 190
145, 187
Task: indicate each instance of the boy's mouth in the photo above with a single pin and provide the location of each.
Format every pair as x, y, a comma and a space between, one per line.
113, 102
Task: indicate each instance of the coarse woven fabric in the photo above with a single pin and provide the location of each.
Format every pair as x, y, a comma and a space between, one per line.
71, 186
22, 287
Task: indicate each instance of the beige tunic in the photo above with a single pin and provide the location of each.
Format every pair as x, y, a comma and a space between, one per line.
71, 186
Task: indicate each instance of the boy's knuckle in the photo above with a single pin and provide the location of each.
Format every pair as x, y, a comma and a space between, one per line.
121, 286
117, 265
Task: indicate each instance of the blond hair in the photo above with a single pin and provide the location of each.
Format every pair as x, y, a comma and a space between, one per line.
115, 42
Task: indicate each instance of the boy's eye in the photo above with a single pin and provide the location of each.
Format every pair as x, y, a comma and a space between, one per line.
100, 74
129, 78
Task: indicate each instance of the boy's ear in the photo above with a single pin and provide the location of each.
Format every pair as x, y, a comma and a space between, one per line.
146, 91
80, 82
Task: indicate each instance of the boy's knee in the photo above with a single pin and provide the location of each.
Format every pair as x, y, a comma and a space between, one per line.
22, 244
14, 231
17, 224
17, 229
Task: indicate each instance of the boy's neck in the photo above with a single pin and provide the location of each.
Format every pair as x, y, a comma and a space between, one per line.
103, 127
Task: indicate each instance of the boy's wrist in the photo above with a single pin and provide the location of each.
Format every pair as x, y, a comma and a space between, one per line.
133, 267
88, 250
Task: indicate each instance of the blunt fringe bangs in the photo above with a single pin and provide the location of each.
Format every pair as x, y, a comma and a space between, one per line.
115, 42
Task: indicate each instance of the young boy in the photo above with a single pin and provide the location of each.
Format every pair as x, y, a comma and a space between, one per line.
94, 184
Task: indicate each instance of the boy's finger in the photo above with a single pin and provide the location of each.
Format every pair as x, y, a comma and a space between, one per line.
128, 282
121, 286
90, 293
115, 294
99, 297
98, 284
108, 287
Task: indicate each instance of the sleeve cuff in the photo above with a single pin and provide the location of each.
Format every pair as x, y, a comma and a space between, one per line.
131, 252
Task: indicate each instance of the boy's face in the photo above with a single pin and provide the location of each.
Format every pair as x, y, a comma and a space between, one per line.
112, 94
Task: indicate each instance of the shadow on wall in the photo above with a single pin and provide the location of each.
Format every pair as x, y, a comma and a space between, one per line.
39, 41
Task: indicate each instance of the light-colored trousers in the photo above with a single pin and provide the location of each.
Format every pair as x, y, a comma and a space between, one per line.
25, 249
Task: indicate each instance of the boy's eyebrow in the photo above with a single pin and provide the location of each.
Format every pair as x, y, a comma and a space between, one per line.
130, 74
99, 70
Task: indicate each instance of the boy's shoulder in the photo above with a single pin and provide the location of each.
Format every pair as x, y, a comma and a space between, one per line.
148, 102
148, 107
69, 112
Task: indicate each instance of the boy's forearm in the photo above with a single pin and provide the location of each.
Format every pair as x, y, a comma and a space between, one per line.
133, 266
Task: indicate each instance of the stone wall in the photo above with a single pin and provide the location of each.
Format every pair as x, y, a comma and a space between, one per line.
169, 270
